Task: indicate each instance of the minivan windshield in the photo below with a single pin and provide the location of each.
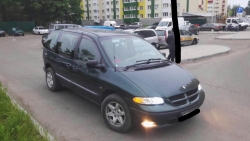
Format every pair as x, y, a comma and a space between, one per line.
127, 50
163, 23
51, 27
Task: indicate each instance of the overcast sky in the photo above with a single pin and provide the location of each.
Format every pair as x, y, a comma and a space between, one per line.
242, 3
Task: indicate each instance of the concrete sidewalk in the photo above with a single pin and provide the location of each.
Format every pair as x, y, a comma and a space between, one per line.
194, 52
218, 32
242, 35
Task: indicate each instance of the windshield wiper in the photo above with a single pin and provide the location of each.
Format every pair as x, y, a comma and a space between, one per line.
147, 62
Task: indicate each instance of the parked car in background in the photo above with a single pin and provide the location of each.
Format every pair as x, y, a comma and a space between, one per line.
110, 23
2, 33
16, 31
148, 34
135, 25
61, 26
132, 82
211, 27
167, 23
236, 21
162, 35
154, 25
188, 38
40, 30
191, 28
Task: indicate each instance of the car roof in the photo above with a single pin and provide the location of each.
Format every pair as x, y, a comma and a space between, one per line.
144, 29
96, 32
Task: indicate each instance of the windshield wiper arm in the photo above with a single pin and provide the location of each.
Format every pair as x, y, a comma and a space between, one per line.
147, 62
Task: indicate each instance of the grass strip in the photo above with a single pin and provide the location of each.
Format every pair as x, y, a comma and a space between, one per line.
15, 125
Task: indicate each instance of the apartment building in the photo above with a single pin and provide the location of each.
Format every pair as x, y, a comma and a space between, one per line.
133, 10
102, 9
217, 7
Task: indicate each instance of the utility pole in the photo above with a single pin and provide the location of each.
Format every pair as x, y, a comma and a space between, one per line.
152, 8
88, 9
187, 8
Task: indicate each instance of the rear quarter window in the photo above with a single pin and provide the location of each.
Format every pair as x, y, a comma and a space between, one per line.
50, 42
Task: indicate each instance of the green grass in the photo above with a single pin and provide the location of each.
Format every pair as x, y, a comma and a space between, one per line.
15, 125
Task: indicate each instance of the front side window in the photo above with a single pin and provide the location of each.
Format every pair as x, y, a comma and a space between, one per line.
51, 41
66, 44
127, 50
234, 21
88, 51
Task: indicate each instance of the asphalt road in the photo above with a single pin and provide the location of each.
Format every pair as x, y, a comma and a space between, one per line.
68, 116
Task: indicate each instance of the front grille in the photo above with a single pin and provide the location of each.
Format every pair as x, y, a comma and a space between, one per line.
184, 98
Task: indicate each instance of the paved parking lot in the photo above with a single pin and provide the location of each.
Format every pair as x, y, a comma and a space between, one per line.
68, 116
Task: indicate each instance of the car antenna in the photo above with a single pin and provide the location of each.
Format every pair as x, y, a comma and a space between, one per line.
114, 55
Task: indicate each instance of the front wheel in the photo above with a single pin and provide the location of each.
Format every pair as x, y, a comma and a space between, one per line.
116, 114
51, 80
194, 42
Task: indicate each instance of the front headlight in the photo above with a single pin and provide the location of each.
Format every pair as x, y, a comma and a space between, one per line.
148, 100
199, 87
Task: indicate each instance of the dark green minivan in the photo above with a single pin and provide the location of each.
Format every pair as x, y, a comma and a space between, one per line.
128, 77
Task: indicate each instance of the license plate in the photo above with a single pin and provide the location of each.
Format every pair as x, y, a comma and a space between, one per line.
20, 33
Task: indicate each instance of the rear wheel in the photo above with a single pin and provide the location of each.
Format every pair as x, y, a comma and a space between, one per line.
116, 114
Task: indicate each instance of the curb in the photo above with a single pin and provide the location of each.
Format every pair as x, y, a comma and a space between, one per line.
232, 38
39, 128
202, 57
218, 32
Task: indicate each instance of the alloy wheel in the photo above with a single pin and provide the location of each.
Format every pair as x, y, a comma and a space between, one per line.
50, 80
115, 114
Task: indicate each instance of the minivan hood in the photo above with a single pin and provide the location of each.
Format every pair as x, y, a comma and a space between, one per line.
163, 82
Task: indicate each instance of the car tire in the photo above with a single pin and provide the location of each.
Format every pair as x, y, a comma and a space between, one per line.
23, 34
51, 80
117, 108
194, 42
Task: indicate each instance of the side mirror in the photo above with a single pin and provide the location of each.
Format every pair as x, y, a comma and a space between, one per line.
164, 54
95, 64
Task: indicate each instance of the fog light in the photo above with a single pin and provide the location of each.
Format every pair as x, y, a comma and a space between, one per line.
148, 124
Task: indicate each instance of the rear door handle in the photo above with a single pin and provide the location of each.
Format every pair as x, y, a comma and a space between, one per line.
75, 68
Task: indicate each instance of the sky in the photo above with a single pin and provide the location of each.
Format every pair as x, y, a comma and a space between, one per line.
242, 3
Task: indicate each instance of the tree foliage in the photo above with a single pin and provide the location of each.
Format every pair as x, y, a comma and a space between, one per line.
41, 11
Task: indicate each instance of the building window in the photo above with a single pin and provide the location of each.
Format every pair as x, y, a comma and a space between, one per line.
108, 10
107, 3
111, 2
117, 9
141, 15
141, 7
103, 17
165, 14
117, 16
156, 6
102, 11
149, 15
149, 6
112, 10
107, 16
156, 15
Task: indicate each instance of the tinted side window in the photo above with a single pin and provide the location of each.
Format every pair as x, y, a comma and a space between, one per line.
67, 43
234, 21
88, 51
228, 20
60, 27
51, 41
186, 33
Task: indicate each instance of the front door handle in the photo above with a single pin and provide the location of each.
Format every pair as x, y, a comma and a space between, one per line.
68, 65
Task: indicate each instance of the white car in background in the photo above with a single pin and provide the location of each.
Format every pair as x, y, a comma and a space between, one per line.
148, 34
40, 30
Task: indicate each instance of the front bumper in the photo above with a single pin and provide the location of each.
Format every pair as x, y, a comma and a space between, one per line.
167, 118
